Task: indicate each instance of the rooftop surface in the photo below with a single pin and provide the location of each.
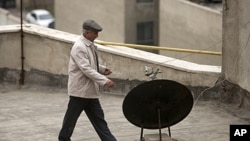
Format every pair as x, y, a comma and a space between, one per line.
35, 113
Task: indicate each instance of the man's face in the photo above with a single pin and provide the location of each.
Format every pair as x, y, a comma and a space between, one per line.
91, 35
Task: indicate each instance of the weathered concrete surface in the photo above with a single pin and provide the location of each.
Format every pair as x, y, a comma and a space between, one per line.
47, 51
236, 47
6, 18
36, 113
192, 26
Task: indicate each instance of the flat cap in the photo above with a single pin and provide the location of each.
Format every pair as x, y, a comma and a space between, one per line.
91, 25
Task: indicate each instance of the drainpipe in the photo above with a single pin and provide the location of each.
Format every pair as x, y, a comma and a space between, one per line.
21, 81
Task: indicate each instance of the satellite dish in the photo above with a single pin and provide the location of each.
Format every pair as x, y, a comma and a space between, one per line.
157, 104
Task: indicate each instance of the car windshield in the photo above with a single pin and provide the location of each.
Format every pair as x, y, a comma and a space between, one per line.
45, 17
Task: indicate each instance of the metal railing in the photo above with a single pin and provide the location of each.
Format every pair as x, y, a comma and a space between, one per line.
159, 48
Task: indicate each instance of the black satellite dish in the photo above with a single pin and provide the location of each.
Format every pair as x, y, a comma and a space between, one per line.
157, 104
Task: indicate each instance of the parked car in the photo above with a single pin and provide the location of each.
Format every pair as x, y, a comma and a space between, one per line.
40, 17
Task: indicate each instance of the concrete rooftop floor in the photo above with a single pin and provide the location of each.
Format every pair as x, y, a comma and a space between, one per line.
35, 113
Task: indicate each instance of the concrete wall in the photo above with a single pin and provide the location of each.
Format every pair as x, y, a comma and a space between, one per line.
47, 51
108, 13
236, 47
187, 25
7, 19
41, 53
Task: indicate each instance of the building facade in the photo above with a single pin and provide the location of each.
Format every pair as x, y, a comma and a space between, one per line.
165, 23
126, 21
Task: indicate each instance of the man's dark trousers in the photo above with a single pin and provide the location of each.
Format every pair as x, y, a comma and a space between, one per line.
93, 110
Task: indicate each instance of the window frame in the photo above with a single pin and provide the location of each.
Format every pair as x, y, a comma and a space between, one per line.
145, 33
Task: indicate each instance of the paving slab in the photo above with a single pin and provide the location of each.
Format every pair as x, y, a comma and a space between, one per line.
34, 113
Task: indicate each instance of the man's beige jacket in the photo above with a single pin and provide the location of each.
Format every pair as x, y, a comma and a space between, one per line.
84, 80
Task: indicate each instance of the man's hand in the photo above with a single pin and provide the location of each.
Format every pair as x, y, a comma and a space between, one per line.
107, 71
109, 84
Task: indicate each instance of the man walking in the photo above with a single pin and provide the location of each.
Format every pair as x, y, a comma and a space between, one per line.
85, 76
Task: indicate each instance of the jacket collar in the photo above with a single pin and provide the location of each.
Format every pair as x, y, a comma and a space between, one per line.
87, 42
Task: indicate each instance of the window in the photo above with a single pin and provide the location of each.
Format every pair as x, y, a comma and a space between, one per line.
140, 1
34, 16
8, 3
145, 33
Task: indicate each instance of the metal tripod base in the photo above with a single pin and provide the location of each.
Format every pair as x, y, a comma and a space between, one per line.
159, 126
155, 137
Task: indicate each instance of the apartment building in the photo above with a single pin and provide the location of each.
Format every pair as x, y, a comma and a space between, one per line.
125, 21
165, 23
